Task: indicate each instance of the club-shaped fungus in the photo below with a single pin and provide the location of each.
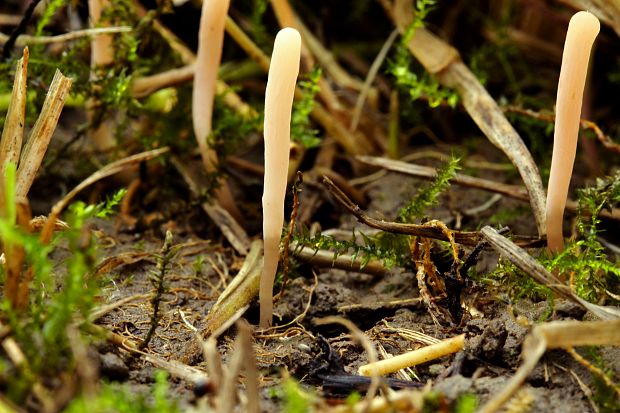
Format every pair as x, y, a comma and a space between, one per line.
582, 31
279, 93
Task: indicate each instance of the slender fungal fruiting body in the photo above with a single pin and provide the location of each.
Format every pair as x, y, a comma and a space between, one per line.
208, 57
279, 93
101, 54
582, 30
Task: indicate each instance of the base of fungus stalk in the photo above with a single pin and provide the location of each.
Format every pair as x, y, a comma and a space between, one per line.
265, 295
555, 237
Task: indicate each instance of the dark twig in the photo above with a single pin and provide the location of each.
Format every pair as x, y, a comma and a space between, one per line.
291, 226
423, 230
604, 139
6, 50
157, 279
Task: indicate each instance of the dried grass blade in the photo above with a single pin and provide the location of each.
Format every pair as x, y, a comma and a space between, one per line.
41, 133
534, 269
13, 132
442, 60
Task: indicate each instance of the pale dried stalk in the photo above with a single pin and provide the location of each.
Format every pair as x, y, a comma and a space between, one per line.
442, 60
15, 121
415, 357
556, 334
512, 191
327, 60
25, 40
370, 77
144, 86
534, 269
239, 293
323, 258
41, 134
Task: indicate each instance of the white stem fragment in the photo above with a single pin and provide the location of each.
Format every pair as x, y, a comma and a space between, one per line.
582, 30
279, 93
415, 357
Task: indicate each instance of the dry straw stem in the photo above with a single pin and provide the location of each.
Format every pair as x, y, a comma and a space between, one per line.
443, 61
327, 60
15, 121
25, 40
512, 191
144, 86
415, 357
279, 94
582, 30
41, 134
518, 256
239, 293
556, 334
323, 258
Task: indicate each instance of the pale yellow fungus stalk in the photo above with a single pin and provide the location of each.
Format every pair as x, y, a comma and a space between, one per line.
101, 54
582, 31
279, 93
208, 57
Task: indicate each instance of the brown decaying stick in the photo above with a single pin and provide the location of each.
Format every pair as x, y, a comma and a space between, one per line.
512, 191
41, 134
14, 123
586, 124
443, 61
427, 231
